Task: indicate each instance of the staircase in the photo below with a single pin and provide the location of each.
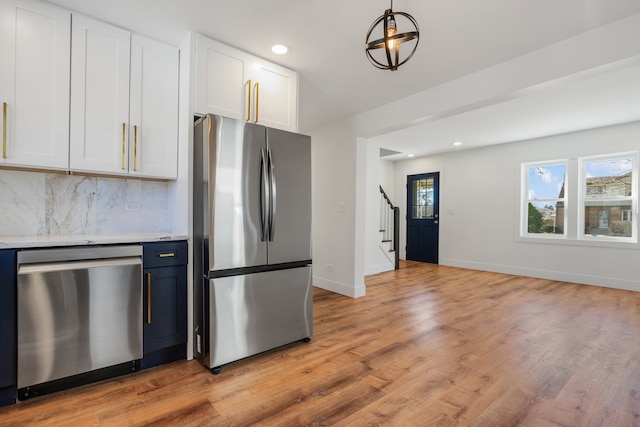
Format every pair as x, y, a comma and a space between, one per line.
390, 227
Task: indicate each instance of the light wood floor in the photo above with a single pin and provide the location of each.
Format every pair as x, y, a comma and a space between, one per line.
428, 346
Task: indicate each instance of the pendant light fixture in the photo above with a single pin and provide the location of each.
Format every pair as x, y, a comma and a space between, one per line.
384, 53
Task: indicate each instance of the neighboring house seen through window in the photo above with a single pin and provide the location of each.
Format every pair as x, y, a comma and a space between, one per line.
608, 196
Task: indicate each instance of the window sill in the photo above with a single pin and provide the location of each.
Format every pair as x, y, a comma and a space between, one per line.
588, 242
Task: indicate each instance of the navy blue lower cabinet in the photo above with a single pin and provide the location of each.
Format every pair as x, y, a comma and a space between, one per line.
8, 390
165, 303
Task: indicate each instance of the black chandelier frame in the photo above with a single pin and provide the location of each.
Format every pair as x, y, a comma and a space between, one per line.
392, 54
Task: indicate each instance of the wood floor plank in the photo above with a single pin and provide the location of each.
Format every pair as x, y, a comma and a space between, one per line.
428, 345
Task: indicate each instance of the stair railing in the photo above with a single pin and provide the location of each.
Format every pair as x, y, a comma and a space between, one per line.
390, 225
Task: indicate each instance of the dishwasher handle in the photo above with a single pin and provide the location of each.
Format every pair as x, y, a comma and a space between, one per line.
32, 256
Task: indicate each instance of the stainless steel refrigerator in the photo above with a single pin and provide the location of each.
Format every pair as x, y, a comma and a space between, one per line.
252, 239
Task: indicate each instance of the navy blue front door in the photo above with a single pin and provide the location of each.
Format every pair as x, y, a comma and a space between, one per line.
423, 217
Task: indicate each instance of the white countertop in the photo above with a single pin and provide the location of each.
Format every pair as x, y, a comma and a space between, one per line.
21, 242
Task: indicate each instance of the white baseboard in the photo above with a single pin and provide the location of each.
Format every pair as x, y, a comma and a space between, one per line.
339, 288
375, 269
607, 282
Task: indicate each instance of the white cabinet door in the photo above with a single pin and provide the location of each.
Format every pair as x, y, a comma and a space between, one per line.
276, 96
99, 97
34, 84
222, 80
153, 122
235, 84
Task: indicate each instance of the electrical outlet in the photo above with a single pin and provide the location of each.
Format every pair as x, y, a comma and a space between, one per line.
132, 207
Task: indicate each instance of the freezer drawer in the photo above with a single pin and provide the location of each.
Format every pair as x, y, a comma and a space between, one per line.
257, 312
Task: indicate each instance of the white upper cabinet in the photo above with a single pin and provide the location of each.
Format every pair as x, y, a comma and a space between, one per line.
235, 84
153, 109
222, 76
124, 100
275, 95
99, 96
34, 84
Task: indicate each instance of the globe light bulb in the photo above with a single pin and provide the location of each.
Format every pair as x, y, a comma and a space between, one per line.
391, 31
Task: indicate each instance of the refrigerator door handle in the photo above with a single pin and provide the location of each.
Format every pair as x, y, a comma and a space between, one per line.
272, 211
264, 200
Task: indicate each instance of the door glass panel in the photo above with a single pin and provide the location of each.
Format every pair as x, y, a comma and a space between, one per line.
422, 199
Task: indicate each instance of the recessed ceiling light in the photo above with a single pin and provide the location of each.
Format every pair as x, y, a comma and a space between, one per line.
279, 49
410, 155
457, 143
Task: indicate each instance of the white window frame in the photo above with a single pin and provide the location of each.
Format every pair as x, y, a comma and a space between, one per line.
583, 198
524, 204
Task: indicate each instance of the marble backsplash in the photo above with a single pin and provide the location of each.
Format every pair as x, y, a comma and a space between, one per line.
47, 204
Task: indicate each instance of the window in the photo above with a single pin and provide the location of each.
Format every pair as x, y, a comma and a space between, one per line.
585, 200
608, 197
543, 210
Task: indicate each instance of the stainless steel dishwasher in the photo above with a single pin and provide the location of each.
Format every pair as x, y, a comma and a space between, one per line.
79, 310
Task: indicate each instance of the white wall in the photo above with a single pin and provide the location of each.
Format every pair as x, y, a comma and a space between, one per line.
480, 210
181, 190
336, 238
345, 204
377, 257
387, 178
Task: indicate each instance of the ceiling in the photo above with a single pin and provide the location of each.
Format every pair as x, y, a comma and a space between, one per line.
457, 38
603, 97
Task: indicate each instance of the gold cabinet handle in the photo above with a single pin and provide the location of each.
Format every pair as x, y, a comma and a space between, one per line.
167, 255
4, 130
248, 100
148, 298
123, 129
257, 102
135, 147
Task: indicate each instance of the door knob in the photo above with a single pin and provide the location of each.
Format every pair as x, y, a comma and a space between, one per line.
436, 222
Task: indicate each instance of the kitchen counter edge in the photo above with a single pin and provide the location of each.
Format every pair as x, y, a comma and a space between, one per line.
25, 242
